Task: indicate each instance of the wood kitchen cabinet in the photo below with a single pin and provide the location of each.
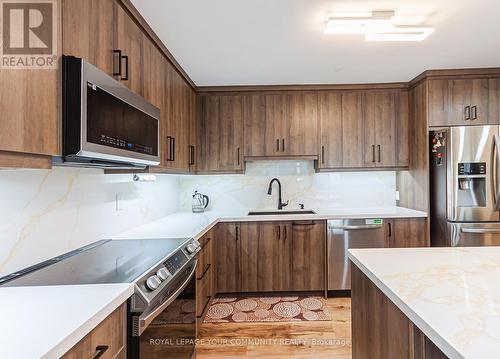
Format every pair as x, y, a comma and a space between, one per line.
109, 339
330, 130
281, 125
271, 256
220, 134
308, 248
454, 102
205, 276
228, 278
265, 256
363, 129
407, 232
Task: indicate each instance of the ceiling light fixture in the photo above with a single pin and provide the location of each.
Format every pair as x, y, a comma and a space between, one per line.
377, 26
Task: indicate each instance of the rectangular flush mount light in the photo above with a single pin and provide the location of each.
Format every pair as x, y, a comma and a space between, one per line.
377, 26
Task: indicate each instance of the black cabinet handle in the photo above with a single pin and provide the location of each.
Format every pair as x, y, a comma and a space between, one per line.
204, 272
284, 234
170, 156
277, 145
283, 145
237, 232
119, 72
100, 350
322, 154
191, 155
238, 155
467, 113
126, 68
279, 233
205, 307
474, 112
389, 229
378, 147
373, 153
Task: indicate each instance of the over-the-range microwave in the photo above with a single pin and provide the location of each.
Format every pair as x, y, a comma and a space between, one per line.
105, 125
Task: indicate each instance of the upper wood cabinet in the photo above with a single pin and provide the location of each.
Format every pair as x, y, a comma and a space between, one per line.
330, 130
281, 125
363, 129
220, 133
460, 102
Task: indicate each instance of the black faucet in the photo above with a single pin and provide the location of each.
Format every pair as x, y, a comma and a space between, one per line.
270, 191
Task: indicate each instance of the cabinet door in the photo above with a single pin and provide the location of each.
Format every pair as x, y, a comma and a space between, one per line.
193, 132
276, 112
407, 232
87, 31
402, 128
458, 102
228, 258
494, 101
177, 134
221, 134
255, 126
352, 130
230, 136
380, 129
300, 129
308, 249
130, 39
330, 119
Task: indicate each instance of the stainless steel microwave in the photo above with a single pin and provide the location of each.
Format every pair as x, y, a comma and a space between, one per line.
105, 124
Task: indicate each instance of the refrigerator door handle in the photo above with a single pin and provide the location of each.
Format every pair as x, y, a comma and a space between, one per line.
494, 172
479, 230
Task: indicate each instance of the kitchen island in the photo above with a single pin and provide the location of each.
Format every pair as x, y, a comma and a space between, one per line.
426, 302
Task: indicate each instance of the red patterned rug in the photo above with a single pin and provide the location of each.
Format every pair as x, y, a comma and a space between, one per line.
267, 309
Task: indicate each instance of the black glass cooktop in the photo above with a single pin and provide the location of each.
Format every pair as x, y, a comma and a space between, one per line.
112, 261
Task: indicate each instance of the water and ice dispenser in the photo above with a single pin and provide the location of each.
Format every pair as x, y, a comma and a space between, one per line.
471, 191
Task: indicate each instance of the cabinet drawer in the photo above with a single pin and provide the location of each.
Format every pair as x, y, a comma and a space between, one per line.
109, 337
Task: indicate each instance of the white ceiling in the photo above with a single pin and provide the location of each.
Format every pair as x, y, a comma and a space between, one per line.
265, 42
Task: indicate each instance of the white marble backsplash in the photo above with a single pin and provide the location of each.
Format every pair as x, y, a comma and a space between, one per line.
300, 184
47, 213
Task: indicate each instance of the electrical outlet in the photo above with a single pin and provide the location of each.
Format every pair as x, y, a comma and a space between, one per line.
118, 205
397, 195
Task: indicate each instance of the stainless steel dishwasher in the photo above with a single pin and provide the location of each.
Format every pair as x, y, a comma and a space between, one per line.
345, 234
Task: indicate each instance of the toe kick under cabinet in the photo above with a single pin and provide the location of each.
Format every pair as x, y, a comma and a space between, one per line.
277, 256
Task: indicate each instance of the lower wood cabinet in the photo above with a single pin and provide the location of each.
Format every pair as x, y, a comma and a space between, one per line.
107, 341
308, 248
381, 330
270, 256
205, 278
407, 232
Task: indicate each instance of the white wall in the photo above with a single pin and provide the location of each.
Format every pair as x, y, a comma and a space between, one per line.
47, 213
300, 185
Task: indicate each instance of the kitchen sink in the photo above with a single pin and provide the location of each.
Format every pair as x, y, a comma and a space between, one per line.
271, 213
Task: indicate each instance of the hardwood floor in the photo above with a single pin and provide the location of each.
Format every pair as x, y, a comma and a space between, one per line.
327, 339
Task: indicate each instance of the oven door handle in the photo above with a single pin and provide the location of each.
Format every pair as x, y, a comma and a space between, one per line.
480, 230
146, 318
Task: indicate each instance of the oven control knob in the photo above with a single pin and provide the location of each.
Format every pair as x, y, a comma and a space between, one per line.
191, 248
153, 282
162, 273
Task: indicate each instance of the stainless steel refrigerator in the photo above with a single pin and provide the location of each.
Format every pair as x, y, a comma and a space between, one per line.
464, 186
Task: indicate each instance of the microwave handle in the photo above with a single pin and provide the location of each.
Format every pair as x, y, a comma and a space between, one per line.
146, 318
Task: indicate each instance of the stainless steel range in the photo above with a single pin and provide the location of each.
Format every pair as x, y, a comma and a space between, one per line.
161, 315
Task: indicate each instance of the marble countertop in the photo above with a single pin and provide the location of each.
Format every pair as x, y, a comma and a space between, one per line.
451, 294
195, 225
47, 321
